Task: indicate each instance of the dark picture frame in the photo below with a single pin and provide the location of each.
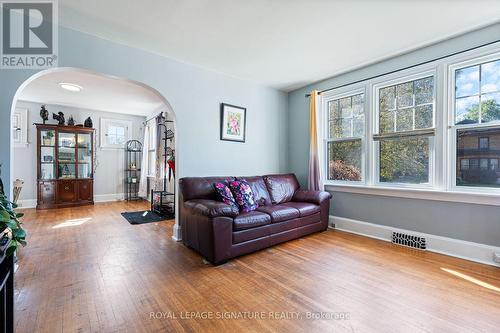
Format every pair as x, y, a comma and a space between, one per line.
233, 122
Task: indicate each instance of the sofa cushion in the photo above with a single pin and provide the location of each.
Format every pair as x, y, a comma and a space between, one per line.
259, 189
210, 208
280, 213
200, 187
281, 187
251, 220
243, 195
224, 194
304, 208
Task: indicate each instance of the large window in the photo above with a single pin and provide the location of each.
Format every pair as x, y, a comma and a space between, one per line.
435, 128
405, 130
477, 124
346, 128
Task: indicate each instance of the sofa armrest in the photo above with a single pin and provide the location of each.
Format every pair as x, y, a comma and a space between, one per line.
315, 197
210, 208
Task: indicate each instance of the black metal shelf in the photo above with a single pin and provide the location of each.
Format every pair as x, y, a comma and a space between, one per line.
132, 147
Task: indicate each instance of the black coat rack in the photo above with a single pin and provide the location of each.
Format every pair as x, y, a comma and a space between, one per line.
163, 202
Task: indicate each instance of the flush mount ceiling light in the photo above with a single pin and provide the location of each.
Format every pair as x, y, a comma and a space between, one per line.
70, 86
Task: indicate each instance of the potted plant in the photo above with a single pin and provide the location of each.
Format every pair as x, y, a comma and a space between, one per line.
47, 139
10, 224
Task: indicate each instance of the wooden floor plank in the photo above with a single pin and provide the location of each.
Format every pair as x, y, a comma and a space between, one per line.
88, 270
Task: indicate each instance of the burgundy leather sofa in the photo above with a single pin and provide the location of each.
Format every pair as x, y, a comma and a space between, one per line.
220, 232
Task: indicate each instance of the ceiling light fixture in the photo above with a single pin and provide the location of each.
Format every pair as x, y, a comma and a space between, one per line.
70, 86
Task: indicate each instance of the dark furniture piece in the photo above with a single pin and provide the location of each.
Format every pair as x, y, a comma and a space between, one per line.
133, 157
163, 201
65, 166
220, 232
6, 287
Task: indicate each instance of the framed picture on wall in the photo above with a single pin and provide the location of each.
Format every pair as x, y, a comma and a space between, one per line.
232, 122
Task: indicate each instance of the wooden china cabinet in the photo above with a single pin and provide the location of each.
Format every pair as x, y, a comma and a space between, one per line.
65, 162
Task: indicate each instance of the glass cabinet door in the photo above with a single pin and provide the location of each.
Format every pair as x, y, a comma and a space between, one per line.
84, 155
66, 155
47, 154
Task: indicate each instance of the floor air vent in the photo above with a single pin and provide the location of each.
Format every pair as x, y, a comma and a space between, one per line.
415, 242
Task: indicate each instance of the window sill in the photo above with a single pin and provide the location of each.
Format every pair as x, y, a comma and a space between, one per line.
492, 199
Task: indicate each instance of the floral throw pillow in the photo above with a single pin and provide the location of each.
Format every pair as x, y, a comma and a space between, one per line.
224, 194
242, 193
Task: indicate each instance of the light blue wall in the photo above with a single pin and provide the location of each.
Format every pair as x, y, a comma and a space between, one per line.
476, 223
194, 95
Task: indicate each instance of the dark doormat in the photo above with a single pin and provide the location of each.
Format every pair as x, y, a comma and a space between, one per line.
141, 218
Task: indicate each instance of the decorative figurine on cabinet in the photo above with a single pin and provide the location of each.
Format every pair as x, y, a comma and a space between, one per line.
44, 114
88, 122
71, 121
59, 117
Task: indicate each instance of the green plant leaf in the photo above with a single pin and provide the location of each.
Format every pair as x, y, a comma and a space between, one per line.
22, 242
19, 233
19, 215
4, 216
11, 249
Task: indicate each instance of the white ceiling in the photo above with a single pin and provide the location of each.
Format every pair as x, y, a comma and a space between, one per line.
99, 93
282, 43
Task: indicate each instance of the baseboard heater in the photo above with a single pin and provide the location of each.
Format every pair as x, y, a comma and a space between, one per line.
415, 242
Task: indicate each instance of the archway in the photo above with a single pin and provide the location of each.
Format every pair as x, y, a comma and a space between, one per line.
139, 85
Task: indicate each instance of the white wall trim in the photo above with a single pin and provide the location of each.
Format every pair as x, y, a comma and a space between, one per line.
480, 253
31, 203
483, 198
26, 203
109, 197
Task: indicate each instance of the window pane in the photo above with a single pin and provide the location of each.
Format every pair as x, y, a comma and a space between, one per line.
484, 143
424, 89
387, 98
464, 164
345, 107
358, 126
349, 117
490, 77
404, 94
344, 160
467, 81
404, 160
386, 122
494, 164
404, 120
483, 162
423, 117
346, 127
358, 104
467, 110
333, 110
490, 107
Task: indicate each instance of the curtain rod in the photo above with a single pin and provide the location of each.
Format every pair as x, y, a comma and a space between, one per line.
405, 68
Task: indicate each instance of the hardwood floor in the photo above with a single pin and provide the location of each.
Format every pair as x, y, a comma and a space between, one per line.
88, 270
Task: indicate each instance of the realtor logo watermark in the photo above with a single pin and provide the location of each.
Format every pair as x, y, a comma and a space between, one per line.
29, 34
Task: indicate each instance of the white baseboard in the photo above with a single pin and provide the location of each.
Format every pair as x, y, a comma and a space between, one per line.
27, 203
453, 247
109, 197
31, 203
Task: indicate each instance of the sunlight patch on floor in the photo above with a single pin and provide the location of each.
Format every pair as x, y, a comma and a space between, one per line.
471, 279
72, 223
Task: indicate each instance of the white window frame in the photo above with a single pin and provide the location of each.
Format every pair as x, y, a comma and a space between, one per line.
444, 159
104, 124
152, 141
22, 115
375, 130
476, 59
325, 99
